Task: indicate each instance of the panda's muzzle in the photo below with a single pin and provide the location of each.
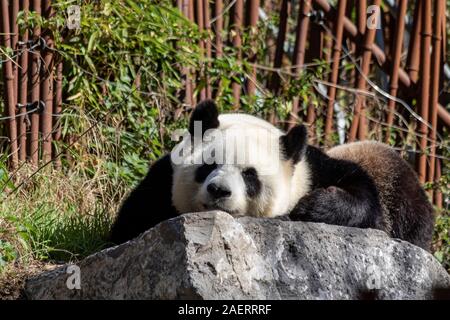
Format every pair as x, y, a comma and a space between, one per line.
218, 192
218, 197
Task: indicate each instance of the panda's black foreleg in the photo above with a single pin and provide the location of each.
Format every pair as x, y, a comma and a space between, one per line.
147, 205
334, 205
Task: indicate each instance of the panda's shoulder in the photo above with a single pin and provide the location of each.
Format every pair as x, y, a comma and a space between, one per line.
161, 171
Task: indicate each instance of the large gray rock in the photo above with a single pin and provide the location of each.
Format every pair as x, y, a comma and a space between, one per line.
215, 256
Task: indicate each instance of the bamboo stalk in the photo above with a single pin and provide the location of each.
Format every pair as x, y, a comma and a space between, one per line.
327, 44
188, 96
367, 59
338, 30
361, 22
218, 28
47, 91
58, 108
237, 44
398, 44
439, 10
14, 40
444, 33
9, 82
443, 115
274, 81
206, 13
191, 16
438, 194
361, 6
299, 51
316, 51
23, 93
200, 23
359, 119
413, 59
253, 20
424, 88
35, 96
218, 8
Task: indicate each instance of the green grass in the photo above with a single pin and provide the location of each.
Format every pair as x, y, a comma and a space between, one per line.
46, 233
55, 217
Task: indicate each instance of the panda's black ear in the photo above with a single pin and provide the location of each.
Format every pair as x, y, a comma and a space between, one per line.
206, 112
294, 143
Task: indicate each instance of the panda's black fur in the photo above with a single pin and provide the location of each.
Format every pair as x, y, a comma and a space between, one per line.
342, 192
147, 205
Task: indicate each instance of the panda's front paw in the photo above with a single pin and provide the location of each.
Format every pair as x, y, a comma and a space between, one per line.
299, 213
284, 217
328, 205
316, 205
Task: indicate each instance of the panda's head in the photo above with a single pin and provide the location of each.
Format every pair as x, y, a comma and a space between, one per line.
239, 164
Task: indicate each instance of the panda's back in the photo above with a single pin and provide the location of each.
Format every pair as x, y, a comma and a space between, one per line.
377, 159
400, 193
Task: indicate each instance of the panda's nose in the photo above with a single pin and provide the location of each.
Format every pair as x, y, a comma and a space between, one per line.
218, 192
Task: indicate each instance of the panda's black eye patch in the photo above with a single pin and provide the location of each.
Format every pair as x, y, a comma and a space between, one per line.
252, 182
203, 171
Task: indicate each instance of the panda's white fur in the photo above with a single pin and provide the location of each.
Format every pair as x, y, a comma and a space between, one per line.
282, 182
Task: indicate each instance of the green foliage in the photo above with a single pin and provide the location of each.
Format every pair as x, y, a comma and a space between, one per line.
5, 182
7, 253
120, 43
442, 239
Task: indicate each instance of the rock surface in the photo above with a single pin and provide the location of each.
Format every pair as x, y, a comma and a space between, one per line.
212, 255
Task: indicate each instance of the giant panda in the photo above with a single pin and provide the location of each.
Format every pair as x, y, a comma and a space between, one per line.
278, 175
